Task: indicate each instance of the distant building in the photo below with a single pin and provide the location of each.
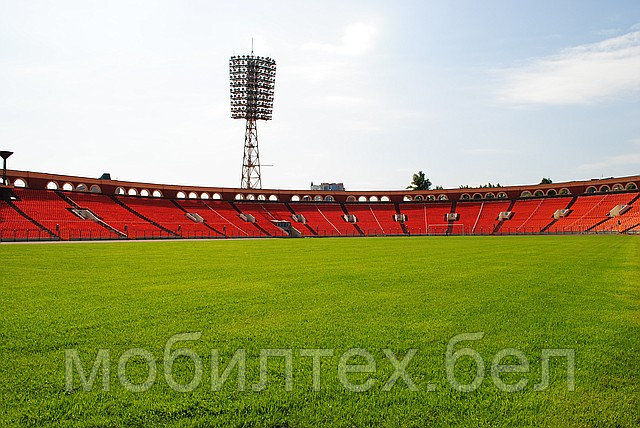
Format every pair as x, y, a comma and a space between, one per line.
328, 186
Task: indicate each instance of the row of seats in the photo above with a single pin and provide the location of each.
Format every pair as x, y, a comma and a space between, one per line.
49, 215
378, 219
116, 216
56, 216
587, 211
14, 226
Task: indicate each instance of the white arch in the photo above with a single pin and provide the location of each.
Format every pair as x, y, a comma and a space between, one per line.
295, 198
362, 199
119, 190
131, 192
157, 194
144, 192
407, 198
373, 199
273, 198
52, 185
204, 195
193, 195
262, 198
385, 199
82, 187
181, 195
20, 182
239, 197
443, 197
216, 196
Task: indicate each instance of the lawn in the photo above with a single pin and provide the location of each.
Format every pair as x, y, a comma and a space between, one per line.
530, 293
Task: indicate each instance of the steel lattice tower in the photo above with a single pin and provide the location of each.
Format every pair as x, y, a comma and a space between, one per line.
252, 81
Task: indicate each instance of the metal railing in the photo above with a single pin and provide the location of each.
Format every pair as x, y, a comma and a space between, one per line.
23, 235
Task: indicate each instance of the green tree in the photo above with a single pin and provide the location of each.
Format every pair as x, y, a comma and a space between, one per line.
420, 182
546, 180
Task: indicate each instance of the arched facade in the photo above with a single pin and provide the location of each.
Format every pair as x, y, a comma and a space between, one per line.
34, 180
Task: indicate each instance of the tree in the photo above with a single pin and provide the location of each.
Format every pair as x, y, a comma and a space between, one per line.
420, 182
546, 180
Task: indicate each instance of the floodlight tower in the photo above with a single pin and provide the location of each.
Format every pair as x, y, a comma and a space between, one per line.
252, 81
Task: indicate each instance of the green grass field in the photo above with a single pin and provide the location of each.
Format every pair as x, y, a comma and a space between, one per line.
529, 293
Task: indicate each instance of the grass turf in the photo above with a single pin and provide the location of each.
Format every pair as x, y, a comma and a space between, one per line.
530, 293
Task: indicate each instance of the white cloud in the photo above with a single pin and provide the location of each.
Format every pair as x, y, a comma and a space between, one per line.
578, 75
343, 100
619, 160
358, 38
488, 150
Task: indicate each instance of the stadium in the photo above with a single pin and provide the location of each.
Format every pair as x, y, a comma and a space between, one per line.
148, 303
40, 206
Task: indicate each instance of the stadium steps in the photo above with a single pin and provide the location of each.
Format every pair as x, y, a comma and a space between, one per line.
451, 222
204, 222
499, 225
623, 221
309, 228
604, 220
220, 213
256, 225
145, 218
588, 211
402, 225
631, 227
344, 210
267, 215
530, 214
475, 223
101, 222
635, 228
573, 201
32, 220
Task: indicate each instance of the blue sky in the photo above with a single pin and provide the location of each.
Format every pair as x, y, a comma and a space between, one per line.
366, 93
